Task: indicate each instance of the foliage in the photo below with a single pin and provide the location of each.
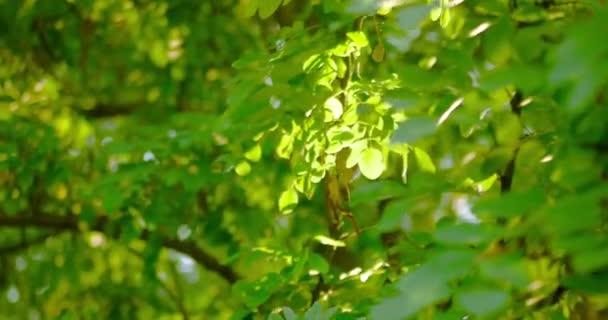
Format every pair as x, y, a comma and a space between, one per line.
277, 159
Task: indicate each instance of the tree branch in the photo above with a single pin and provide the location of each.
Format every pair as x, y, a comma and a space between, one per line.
11, 249
70, 223
506, 178
107, 110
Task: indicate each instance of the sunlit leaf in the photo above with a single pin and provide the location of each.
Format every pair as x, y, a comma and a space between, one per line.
335, 107
485, 184
425, 163
243, 168
267, 7
356, 151
329, 241
288, 200
311, 63
254, 154
251, 7
358, 38
371, 163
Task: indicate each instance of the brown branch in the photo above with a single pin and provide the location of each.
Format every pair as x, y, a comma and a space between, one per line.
107, 110
70, 223
506, 178
15, 248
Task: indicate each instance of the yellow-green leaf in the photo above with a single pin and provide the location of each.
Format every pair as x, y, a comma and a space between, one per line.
404, 165
251, 7
335, 106
288, 200
358, 38
424, 160
267, 7
243, 168
311, 63
371, 163
485, 184
356, 150
254, 154
329, 241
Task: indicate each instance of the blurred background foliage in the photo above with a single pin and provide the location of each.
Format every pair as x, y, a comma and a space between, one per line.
292, 159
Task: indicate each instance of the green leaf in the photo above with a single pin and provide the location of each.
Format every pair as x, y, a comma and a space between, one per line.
342, 50
375, 191
312, 63
274, 316
288, 200
358, 38
424, 160
483, 302
590, 259
267, 7
462, 234
255, 293
409, 18
585, 204
413, 129
371, 163
508, 128
528, 78
113, 199
289, 314
328, 73
419, 289
508, 270
317, 262
158, 54
510, 204
393, 215
315, 312
251, 7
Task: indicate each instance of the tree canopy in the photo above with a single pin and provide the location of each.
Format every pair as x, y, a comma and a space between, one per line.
291, 159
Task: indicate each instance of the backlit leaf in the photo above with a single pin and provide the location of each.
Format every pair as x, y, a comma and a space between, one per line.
358, 38
243, 168
371, 163
424, 160
267, 7
254, 154
288, 200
